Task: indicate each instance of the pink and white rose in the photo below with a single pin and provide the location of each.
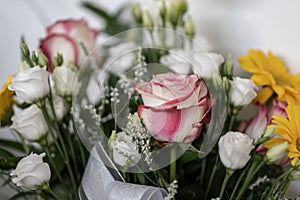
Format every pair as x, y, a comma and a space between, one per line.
175, 106
65, 37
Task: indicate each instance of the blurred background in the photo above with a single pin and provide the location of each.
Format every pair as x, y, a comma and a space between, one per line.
228, 25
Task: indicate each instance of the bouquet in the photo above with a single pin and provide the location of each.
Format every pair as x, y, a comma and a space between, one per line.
148, 113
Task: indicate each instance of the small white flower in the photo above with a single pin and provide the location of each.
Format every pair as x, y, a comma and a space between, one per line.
30, 123
234, 149
31, 172
242, 91
65, 80
31, 85
125, 152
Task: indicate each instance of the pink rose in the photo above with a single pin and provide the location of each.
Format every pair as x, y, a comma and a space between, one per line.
175, 106
278, 109
66, 37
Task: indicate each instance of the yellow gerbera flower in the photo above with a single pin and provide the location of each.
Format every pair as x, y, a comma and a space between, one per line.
6, 98
271, 73
289, 130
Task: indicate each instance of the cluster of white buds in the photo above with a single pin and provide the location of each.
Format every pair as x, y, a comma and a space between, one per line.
126, 84
77, 119
172, 190
141, 69
114, 95
93, 111
259, 181
140, 135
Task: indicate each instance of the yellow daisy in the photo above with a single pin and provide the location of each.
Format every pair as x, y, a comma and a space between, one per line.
289, 130
6, 98
270, 72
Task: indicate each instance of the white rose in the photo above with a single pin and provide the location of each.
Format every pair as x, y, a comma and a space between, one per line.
30, 123
242, 91
31, 172
121, 57
207, 64
31, 85
125, 152
65, 80
60, 107
234, 149
204, 64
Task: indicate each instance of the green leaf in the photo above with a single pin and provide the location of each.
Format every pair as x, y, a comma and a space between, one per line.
5, 153
11, 144
9, 163
188, 156
23, 195
97, 10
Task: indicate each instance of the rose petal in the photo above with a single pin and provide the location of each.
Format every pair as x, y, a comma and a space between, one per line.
59, 43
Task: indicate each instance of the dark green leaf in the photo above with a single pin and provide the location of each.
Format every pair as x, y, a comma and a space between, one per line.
97, 10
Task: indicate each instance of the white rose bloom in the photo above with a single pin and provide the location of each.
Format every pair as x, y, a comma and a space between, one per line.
121, 57
60, 107
207, 64
125, 152
65, 81
204, 64
31, 84
234, 149
30, 123
31, 172
242, 91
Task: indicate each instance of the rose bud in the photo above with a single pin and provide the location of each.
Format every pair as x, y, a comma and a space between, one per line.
30, 123
234, 149
31, 85
242, 91
31, 172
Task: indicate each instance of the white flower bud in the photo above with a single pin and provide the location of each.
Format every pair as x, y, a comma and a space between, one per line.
65, 80
30, 123
125, 152
275, 154
23, 66
242, 91
189, 27
31, 85
234, 150
31, 172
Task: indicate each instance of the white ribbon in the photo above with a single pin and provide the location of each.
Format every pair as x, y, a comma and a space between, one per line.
98, 183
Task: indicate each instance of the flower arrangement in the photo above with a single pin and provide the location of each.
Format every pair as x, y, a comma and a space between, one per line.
147, 114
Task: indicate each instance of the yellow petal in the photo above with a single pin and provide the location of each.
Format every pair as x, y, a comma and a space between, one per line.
263, 95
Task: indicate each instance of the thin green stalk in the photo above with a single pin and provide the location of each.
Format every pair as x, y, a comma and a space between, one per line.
74, 156
63, 151
225, 181
79, 144
52, 193
256, 166
237, 184
285, 187
173, 165
48, 153
203, 170
212, 176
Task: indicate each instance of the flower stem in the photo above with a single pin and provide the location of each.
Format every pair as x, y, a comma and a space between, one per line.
256, 165
225, 181
48, 153
212, 176
173, 165
203, 167
51, 192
